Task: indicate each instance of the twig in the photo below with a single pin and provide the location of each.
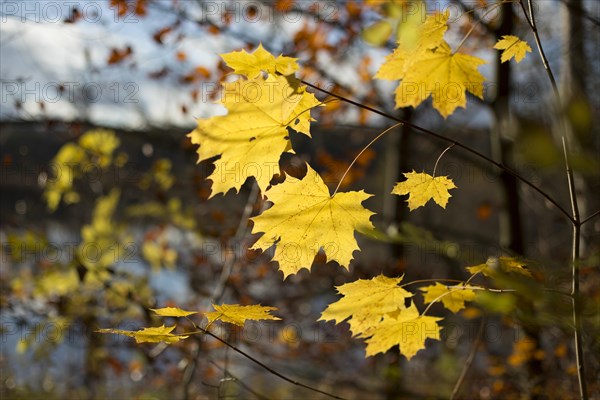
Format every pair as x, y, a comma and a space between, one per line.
575, 277
266, 367
221, 284
448, 140
239, 382
469, 360
531, 22
587, 219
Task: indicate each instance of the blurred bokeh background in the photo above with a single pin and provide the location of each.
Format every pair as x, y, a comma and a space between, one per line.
105, 213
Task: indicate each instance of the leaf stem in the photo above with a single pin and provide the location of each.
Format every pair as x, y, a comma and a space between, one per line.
362, 151
439, 158
477, 23
430, 280
448, 140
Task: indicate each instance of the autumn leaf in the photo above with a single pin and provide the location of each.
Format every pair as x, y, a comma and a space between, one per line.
305, 218
425, 36
253, 64
238, 315
149, 335
172, 312
252, 136
444, 76
513, 48
430, 68
452, 297
407, 329
422, 187
366, 302
494, 265
378, 33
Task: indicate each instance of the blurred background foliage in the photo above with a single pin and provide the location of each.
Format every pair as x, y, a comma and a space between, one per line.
105, 212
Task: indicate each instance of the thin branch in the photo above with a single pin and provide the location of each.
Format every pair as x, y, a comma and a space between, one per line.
469, 359
221, 285
448, 140
266, 367
239, 382
575, 277
587, 219
531, 21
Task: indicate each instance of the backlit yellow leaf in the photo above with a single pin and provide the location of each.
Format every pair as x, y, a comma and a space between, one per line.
252, 136
238, 315
305, 218
366, 302
172, 312
252, 64
149, 335
430, 68
513, 47
452, 297
407, 329
422, 187
494, 265
378, 33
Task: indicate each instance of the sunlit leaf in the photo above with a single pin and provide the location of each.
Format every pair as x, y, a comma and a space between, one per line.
422, 187
366, 302
149, 335
238, 315
513, 48
452, 297
407, 329
305, 218
172, 312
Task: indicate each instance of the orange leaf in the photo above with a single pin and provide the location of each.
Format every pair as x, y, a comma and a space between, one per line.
118, 55
159, 35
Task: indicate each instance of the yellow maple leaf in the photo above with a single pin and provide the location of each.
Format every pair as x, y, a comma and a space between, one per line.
422, 187
513, 47
430, 68
443, 75
149, 335
305, 218
426, 36
494, 265
452, 297
252, 136
238, 315
365, 302
253, 64
407, 329
431, 32
172, 312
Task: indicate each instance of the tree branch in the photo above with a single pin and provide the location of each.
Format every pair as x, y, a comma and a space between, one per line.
266, 367
448, 140
575, 278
